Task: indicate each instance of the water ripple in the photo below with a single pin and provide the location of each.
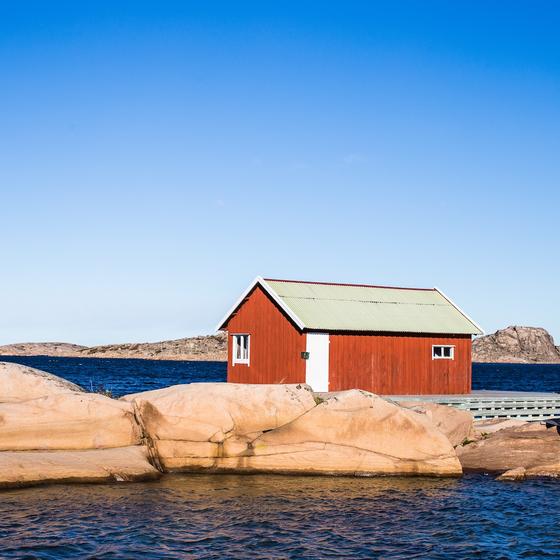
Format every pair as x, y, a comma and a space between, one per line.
269, 517
264, 517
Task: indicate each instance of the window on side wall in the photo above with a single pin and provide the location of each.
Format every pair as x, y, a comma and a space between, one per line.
241, 349
443, 352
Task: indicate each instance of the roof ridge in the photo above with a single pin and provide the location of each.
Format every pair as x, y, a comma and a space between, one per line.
364, 300
348, 285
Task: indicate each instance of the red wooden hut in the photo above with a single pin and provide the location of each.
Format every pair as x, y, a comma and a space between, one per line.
387, 340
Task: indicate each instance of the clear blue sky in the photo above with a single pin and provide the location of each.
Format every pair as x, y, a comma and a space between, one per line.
155, 157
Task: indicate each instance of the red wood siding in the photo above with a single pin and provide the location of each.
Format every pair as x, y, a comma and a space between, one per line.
398, 364
276, 344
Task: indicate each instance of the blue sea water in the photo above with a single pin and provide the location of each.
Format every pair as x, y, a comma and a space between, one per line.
279, 517
517, 377
125, 376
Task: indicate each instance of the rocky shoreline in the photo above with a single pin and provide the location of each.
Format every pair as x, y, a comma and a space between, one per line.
524, 345
52, 431
199, 348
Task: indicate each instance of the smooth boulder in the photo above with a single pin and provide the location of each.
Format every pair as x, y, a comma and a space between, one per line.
357, 433
211, 412
456, 424
528, 450
67, 421
282, 429
69, 435
25, 468
22, 383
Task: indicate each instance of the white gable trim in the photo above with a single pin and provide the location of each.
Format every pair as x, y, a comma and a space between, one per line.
275, 297
459, 310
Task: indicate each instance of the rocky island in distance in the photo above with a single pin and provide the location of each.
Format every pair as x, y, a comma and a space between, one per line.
522, 345
513, 344
207, 348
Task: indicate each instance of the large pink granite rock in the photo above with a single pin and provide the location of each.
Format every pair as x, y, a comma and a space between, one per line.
25, 468
21, 383
275, 428
67, 421
456, 424
213, 411
357, 433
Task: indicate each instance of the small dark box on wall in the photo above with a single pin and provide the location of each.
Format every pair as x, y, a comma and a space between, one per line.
305, 355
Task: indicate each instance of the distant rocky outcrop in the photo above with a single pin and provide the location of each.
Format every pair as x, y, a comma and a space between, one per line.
516, 345
41, 349
513, 344
208, 348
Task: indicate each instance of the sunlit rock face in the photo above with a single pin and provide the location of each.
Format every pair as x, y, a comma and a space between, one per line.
457, 425
52, 431
281, 428
21, 383
60, 433
25, 468
357, 433
67, 421
201, 419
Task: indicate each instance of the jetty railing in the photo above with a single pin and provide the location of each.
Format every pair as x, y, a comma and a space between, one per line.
488, 404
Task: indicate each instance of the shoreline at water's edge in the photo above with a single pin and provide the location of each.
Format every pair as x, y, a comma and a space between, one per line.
513, 345
154, 477
198, 348
514, 363
178, 358
212, 358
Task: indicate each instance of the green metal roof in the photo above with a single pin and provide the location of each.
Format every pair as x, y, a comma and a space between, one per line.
342, 307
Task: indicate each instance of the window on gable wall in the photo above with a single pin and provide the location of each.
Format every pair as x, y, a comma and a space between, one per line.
241, 350
443, 352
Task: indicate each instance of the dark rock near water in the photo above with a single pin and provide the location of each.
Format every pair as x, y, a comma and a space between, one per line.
529, 450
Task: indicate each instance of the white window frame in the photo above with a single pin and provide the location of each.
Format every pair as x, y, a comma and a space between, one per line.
235, 338
451, 357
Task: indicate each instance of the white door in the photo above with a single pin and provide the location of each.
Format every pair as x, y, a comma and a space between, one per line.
317, 365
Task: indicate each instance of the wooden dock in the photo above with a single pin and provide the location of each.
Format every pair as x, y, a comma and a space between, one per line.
497, 404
